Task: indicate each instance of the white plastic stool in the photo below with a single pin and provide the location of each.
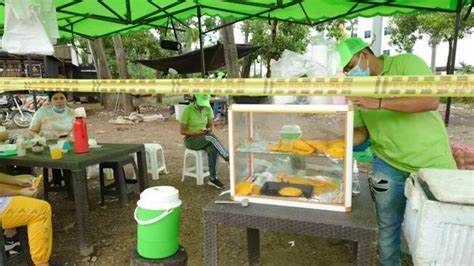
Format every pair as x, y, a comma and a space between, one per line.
199, 171
155, 164
93, 171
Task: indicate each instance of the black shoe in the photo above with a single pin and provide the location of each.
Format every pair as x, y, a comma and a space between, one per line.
12, 247
216, 183
11, 243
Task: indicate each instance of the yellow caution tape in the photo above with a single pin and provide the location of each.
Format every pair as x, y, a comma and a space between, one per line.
450, 85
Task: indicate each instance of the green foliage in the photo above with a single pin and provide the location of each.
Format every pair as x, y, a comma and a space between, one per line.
438, 26
463, 100
140, 45
289, 36
404, 32
191, 34
466, 68
336, 29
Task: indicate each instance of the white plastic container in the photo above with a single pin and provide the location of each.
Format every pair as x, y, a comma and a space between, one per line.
178, 110
20, 146
439, 233
283, 99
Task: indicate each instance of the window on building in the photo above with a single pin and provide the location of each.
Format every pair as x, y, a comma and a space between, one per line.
367, 34
387, 31
386, 52
354, 35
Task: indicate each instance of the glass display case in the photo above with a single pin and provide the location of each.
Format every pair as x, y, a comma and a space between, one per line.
292, 155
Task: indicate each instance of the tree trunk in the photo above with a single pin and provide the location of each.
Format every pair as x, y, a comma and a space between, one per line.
271, 50
108, 99
246, 67
245, 73
433, 58
127, 102
159, 97
230, 51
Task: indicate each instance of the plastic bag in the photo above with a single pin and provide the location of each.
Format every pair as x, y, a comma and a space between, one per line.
292, 64
24, 31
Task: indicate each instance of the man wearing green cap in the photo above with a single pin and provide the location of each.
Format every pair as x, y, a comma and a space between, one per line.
406, 134
196, 126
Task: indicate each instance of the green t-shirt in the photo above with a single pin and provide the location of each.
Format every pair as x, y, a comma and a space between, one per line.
195, 119
407, 141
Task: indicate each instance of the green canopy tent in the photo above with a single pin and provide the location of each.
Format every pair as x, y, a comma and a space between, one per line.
97, 18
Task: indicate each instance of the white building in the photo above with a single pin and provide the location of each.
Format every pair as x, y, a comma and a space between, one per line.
376, 30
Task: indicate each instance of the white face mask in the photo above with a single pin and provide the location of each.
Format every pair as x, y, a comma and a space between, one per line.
357, 71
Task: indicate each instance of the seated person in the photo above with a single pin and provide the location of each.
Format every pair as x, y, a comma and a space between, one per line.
219, 106
53, 122
19, 208
196, 126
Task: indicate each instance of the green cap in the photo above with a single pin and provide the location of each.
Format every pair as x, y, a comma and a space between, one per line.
348, 48
203, 99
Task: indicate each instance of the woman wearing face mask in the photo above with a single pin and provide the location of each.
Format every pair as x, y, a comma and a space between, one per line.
53, 121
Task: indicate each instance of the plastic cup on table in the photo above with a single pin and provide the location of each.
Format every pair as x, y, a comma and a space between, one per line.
61, 144
55, 151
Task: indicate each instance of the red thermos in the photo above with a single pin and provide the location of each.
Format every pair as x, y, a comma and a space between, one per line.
79, 127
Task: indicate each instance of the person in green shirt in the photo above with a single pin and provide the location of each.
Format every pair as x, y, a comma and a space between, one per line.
196, 126
406, 134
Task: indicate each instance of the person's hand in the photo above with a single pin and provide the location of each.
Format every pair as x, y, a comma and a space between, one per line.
204, 131
10, 232
366, 102
28, 192
24, 180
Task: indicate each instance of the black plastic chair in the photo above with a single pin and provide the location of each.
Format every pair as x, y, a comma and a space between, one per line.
122, 186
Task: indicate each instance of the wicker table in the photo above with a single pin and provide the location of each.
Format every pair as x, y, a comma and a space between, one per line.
77, 164
358, 226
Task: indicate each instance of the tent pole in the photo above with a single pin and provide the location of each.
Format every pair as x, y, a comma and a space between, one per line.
452, 64
29, 72
201, 43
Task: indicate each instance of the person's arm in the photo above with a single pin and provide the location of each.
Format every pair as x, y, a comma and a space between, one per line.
35, 126
360, 135
184, 131
402, 104
18, 180
27, 192
210, 125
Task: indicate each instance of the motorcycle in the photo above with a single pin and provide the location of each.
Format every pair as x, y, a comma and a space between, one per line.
10, 110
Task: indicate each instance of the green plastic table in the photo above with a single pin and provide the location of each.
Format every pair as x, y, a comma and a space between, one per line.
77, 164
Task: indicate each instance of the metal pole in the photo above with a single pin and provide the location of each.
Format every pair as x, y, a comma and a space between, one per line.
29, 72
201, 44
452, 64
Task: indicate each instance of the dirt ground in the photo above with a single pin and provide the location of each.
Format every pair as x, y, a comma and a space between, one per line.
114, 229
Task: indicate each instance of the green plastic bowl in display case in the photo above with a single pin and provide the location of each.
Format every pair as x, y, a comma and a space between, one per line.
290, 132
